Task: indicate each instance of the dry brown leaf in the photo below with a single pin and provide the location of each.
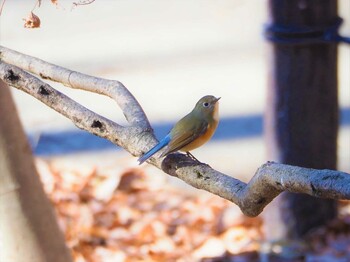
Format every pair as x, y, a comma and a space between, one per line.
106, 188
102, 254
32, 21
237, 240
133, 179
126, 215
212, 247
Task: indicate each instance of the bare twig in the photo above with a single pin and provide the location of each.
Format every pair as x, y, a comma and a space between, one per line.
37, 4
83, 2
269, 181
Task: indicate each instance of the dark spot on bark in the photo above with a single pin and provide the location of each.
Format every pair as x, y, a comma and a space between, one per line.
199, 175
11, 76
313, 188
239, 187
269, 163
44, 91
278, 184
44, 76
96, 124
261, 200
206, 178
335, 177
76, 119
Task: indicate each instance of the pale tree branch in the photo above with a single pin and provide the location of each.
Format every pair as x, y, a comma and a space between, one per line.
114, 89
269, 181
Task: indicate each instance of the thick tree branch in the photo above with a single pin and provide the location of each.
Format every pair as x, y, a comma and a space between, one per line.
270, 180
114, 89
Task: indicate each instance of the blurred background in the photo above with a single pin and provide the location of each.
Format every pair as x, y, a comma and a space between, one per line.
168, 54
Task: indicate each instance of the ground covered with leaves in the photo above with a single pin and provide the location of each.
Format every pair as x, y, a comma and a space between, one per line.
135, 216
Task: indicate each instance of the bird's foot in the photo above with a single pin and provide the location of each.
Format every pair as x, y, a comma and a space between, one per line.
192, 156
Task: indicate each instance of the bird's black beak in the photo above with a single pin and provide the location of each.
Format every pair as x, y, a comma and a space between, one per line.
217, 99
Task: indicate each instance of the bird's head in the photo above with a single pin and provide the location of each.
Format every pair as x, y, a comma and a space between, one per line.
207, 106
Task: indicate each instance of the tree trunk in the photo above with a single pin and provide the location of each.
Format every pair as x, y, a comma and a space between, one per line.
28, 227
302, 114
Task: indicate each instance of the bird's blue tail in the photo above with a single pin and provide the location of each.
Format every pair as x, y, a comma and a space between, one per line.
155, 149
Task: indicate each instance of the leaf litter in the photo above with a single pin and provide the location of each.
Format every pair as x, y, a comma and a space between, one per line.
131, 216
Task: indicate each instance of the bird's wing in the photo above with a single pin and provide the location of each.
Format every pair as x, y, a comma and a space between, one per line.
184, 132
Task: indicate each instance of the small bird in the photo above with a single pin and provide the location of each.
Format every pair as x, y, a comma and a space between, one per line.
191, 131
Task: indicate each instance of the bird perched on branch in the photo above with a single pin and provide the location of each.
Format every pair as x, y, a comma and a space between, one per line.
191, 131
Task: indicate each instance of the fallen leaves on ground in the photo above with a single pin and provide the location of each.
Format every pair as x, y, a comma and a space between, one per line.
133, 216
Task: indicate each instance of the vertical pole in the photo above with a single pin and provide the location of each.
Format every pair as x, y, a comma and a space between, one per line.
302, 113
28, 227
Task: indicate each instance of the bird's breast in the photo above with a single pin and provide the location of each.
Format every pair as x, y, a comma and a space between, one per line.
216, 113
202, 139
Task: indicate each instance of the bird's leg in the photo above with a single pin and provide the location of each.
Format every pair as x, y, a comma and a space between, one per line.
192, 156
195, 159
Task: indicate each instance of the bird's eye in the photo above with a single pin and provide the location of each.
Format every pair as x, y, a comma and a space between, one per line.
205, 104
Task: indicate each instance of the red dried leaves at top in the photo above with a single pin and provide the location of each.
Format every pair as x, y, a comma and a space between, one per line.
32, 21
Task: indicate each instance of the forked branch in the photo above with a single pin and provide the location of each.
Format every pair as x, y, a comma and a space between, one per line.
269, 181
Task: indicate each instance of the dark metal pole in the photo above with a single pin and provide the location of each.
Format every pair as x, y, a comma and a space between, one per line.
302, 114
